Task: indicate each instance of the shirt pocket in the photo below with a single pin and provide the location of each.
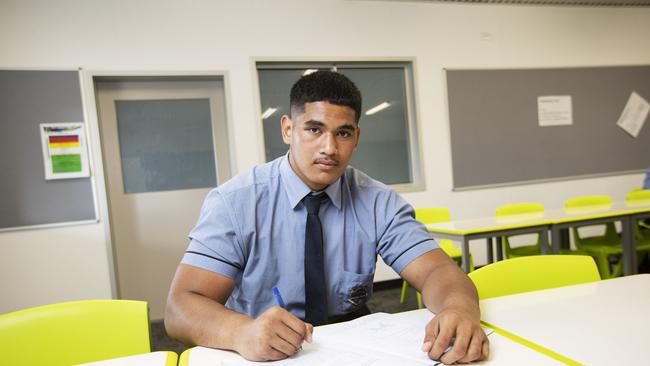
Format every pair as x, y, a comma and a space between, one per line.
353, 291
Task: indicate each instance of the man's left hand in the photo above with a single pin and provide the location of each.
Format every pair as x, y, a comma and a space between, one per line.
454, 335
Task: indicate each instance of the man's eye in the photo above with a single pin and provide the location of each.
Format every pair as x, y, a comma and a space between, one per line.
313, 130
344, 134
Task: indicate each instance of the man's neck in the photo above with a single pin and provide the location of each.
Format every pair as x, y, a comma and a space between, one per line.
296, 171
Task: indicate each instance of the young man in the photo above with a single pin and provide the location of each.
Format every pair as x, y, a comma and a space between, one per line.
311, 227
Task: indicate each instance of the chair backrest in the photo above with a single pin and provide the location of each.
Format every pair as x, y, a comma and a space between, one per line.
587, 201
519, 208
638, 194
431, 215
537, 272
610, 235
75, 332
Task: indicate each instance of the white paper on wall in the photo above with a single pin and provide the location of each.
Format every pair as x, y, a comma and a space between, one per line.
634, 114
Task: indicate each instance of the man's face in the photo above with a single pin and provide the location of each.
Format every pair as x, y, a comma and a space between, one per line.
322, 141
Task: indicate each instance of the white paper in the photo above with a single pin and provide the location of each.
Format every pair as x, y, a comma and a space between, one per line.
554, 110
377, 339
634, 114
326, 354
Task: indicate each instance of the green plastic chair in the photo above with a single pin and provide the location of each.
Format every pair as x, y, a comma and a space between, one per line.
532, 273
75, 332
429, 216
639, 194
519, 209
642, 229
600, 247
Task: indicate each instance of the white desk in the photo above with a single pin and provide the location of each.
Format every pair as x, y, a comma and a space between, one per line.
160, 358
463, 231
599, 323
503, 352
553, 221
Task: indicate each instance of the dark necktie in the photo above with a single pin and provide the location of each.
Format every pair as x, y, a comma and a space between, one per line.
315, 289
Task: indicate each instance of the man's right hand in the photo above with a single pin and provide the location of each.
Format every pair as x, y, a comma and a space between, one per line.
274, 335
196, 314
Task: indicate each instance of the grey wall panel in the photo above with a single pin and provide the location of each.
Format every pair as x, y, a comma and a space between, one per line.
496, 138
28, 98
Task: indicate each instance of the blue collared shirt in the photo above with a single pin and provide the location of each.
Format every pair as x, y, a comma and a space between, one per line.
252, 229
646, 181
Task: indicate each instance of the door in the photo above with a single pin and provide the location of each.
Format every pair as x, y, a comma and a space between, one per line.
164, 146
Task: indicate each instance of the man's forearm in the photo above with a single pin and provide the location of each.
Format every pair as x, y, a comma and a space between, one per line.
195, 319
448, 287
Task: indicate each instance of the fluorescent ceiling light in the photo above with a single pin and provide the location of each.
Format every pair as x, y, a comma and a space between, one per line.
269, 112
309, 71
377, 108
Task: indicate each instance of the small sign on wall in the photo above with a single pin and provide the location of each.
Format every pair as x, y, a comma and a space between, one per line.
634, 115
64, 150
554, 110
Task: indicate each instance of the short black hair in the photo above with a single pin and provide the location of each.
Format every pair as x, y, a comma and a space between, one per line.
325, 86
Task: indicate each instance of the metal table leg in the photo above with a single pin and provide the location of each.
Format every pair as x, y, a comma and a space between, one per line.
499, 249
465, 247
629, 246
556, 239
565, 239
489, 248
543, 241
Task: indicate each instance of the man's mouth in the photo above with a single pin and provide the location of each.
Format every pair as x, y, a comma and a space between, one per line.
326, 163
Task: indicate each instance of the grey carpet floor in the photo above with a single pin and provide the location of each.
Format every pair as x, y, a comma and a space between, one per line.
383, 300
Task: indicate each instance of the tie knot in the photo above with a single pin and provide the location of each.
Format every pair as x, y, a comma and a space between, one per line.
313, 202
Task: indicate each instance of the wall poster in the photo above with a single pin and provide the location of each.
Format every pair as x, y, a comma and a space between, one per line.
64, 150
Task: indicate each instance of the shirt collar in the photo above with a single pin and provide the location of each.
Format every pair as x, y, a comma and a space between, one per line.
296, 189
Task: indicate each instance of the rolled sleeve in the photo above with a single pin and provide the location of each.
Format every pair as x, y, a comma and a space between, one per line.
404, 239
214, 243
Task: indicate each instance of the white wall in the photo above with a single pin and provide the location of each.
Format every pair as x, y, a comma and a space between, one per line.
42, 266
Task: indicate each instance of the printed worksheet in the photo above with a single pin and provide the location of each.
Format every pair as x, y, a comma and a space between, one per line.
377, 339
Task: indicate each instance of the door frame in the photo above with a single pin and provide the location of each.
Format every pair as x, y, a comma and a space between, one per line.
98, 175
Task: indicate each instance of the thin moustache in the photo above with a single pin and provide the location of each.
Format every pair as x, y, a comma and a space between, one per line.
326, 161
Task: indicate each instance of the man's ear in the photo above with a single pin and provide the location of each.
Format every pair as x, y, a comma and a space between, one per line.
358, 136
286, 125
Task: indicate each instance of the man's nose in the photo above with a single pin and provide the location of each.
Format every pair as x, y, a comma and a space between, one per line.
328, 145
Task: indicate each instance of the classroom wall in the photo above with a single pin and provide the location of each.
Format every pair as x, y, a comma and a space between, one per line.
49, 265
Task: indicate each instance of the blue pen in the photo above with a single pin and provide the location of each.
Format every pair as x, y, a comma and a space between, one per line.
278, 297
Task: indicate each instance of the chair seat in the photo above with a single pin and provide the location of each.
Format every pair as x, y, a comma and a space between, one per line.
525, 251
601, 246
643, 244
513, 209
644, 233
594, 248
